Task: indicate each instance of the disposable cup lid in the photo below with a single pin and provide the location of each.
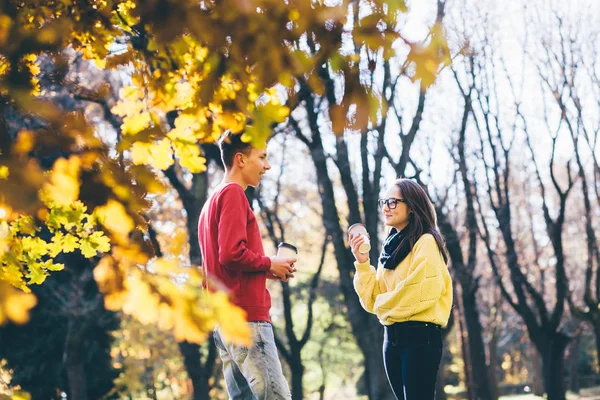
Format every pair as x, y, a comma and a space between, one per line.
288, 246
356, 225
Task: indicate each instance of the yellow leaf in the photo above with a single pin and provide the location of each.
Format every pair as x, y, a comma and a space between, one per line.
96, 242
25, 142
35, 247
55, 247
19, 395
159, 154
36, 274
14, 304
115, 218
63, 185
427, 59
69, 243
231, 319
4, 231
397, 5
4, 172
12, 274
110, 279
194, 164
337, 115
62, 244
136, 123
51, 266
5, 25
141, 302
233, 122
177, 242
164, 266
140, 153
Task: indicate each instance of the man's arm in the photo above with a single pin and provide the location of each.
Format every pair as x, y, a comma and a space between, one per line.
233, 243
232, 240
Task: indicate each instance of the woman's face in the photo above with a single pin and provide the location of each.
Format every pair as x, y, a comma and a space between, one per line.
395, 217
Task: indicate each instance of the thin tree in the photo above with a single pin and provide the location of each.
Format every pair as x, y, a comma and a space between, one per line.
543, 322
291, 348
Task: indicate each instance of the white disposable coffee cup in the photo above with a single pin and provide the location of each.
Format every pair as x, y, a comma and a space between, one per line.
286, 250
360, 229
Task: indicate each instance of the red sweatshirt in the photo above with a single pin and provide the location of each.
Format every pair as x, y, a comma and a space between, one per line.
232, 249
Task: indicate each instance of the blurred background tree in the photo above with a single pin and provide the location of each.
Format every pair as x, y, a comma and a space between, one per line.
109, 113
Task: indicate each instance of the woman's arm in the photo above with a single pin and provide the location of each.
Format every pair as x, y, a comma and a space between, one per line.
367, 284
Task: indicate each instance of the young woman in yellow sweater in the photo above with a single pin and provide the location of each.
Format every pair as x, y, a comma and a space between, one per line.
410, 291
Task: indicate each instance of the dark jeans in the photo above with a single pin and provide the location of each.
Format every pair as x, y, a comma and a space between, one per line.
412, 352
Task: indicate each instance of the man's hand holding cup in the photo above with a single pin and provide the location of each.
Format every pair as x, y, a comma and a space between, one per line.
282, 265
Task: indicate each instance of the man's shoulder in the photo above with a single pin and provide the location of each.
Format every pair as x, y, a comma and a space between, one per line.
225, 189
226, 195
230, 187
229, 192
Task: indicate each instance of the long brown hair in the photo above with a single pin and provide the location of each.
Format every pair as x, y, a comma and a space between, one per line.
422, 219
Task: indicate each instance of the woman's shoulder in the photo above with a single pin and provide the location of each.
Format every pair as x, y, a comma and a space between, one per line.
426, 243
426, 238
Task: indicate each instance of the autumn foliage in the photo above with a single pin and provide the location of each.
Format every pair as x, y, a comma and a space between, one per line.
215, 65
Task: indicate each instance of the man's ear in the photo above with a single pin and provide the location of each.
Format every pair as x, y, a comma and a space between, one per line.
239, 159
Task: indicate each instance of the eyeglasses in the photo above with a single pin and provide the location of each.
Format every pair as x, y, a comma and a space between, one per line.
392, 203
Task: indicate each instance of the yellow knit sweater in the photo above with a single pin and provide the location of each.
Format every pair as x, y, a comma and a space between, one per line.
419, 289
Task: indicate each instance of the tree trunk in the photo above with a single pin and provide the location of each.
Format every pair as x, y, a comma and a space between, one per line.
193, 201
74, 360
77, 380
596, 325
494, 361
573, 364
198, 372
322, 392
150, 385
537, 380
297, 370
193, 207
365, 327
482, 387
466, 357
553, 365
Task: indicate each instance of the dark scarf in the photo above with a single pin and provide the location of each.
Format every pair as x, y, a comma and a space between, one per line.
391, 254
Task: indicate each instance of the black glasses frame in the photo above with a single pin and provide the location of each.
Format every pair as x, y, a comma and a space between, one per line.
392, 203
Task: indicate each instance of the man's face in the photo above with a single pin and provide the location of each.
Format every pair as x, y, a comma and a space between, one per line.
254, 165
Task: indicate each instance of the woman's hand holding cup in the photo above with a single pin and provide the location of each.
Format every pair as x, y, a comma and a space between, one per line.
356, 241
358, 237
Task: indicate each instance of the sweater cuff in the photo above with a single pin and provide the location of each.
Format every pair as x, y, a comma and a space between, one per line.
363, 268
265, 264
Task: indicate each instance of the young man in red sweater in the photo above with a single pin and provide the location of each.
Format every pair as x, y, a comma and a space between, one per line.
233, 253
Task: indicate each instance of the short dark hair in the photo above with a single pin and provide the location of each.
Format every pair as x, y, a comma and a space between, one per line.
230, 144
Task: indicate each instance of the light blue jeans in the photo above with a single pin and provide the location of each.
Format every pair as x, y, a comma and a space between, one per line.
253, 373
